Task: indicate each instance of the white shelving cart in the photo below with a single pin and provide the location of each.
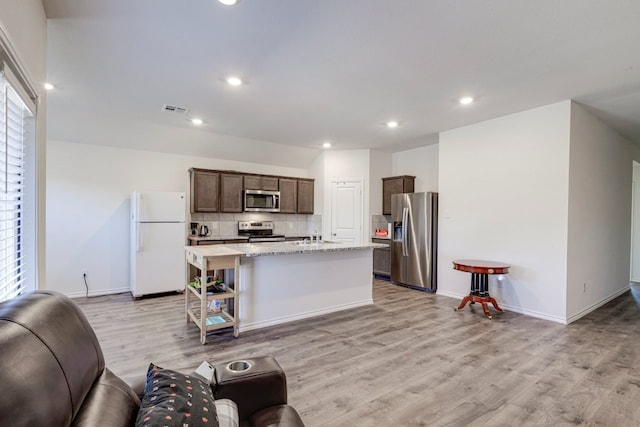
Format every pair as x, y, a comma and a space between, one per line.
206, 260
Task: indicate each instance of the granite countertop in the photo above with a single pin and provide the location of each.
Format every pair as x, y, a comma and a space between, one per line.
286, 248
213, 250
217, 237
236, 237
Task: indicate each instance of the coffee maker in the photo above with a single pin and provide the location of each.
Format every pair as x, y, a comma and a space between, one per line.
193, 228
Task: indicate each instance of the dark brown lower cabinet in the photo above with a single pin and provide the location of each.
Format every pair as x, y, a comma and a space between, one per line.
382, 259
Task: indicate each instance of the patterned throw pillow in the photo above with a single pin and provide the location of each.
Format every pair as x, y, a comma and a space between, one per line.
174, 399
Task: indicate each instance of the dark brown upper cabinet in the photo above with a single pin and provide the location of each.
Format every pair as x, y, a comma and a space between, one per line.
395, 185
204, 190
259, 182
288, 195
305, 196
231, 192
221, 191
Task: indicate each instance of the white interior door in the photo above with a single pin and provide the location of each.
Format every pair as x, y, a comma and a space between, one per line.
346, 211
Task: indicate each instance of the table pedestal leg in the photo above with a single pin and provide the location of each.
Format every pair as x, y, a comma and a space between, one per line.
479, 293
464, 302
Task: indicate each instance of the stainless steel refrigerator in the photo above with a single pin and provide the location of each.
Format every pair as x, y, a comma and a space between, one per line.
414, 247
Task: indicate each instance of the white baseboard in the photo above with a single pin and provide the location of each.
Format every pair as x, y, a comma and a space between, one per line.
508, 307
300, 316
98, 292
597, 305
450, 294
545, 316
533, 313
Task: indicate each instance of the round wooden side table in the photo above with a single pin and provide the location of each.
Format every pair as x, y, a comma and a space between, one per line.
480, 271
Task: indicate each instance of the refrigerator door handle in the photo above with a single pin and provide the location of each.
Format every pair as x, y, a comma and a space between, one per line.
405, 218
138, 247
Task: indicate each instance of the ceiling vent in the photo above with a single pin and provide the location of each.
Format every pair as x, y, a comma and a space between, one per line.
175, 110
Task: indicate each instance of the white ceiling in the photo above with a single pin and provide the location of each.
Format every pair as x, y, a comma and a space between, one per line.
329, 70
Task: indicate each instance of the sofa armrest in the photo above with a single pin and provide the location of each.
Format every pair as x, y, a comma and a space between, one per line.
261, 386
137, 383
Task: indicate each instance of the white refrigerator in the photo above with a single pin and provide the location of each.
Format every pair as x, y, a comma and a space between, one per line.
157, 242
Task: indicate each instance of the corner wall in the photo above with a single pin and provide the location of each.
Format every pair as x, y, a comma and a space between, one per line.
600, 186
503, 188
379, 167
422, 162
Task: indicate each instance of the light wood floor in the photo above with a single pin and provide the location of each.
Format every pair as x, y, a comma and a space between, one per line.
409, 360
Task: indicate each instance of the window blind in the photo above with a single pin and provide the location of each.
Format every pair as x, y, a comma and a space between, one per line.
13, 134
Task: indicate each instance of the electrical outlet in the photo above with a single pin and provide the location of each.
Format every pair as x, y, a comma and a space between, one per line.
214, 225
290, 225
584, 287
85, 273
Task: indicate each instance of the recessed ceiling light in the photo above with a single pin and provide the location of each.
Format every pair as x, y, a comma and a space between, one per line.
228, 2
392, 124
466, 100
49, 86
234, 81
327, 145
196, 121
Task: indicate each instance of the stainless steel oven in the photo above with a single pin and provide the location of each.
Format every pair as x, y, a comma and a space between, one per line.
261, 201
259, 231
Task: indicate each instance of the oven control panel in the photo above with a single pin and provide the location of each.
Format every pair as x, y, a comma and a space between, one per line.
255, 225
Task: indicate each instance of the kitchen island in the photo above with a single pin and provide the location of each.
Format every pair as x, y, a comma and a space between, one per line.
285, 281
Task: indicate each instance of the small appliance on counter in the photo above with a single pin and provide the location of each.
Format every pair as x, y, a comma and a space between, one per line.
381, 232
193, 228
204, 231
259, 231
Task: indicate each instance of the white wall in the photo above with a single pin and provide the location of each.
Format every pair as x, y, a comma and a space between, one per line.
26, 24
88, 207
23, 23
503, 193
379, 167
600, 186
316, 171
635, 225
422, 162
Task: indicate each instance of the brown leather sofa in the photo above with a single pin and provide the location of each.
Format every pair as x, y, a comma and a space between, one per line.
53, 373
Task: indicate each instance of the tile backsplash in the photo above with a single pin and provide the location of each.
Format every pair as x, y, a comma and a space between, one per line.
379, 222
225, 224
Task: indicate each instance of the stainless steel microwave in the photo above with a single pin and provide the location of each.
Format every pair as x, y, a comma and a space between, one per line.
261, 201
